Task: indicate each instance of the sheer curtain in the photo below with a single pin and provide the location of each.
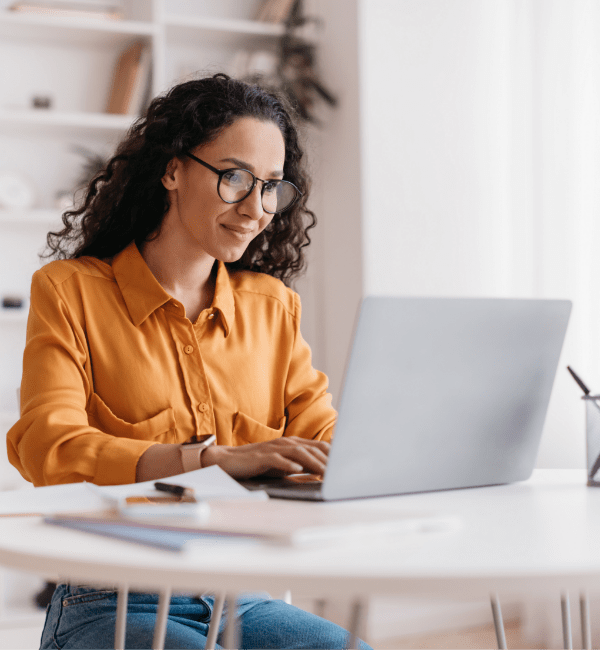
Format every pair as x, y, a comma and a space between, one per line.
549, 227
485, 117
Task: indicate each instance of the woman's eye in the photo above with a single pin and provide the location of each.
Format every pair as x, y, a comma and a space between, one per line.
233, 177
271, 187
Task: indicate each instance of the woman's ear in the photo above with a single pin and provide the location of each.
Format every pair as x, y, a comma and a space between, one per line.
169, 180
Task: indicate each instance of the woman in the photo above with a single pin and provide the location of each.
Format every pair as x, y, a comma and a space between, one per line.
166, 317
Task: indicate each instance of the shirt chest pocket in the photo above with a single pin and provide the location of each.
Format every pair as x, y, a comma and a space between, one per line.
246, 430
160, 427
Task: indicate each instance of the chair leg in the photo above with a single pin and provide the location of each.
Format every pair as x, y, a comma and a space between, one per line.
566, 621
230, 638
320, 607
121, 622
498, 623
586, 629
215, 620
357, 621
160, 628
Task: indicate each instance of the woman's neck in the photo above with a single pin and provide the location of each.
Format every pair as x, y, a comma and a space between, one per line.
184, 274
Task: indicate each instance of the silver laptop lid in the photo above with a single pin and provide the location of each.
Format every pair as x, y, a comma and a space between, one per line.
444, 393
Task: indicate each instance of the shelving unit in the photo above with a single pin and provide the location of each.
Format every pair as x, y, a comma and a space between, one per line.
13, 316
79, 31
245, 34
21, 622
9, 417
237, 28
72, 60
61, 124
43, 216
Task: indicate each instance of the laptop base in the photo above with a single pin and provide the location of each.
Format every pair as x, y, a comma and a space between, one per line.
284, 488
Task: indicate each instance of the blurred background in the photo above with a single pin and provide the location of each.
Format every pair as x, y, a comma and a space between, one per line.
455, 151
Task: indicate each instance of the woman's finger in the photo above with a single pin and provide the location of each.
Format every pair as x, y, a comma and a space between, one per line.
316, 454
285, 465
321, 445
309, 459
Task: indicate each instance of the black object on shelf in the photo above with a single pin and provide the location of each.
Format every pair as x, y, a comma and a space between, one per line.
12, 302
42, 599
41, 101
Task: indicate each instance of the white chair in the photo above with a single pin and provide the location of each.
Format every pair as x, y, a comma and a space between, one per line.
584, 605
357, 616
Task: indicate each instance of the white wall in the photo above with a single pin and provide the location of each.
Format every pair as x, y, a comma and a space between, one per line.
336, 255
426, 137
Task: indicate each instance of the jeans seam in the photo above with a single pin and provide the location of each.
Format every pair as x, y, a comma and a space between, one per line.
54, 632
86, 598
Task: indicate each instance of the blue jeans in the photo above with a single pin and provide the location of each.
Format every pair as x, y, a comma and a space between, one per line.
82, 617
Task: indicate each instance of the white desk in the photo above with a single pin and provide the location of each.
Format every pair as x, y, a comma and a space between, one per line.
526, 539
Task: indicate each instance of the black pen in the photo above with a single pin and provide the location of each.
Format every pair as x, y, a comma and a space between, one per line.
581, 385
586, 390
176, 490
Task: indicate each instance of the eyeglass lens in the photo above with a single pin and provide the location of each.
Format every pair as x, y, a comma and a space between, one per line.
236, 184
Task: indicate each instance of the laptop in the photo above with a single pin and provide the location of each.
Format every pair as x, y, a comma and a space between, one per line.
439, 393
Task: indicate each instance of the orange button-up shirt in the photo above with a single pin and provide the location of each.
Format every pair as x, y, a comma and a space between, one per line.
112, 366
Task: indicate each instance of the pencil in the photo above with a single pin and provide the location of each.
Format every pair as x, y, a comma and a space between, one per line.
581, 385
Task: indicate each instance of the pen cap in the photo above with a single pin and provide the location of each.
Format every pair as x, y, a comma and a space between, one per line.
592, 431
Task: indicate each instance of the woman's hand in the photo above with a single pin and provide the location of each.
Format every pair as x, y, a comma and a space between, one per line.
287, 455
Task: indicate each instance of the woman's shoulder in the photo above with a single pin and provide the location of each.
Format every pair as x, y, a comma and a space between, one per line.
59, 271
260, 286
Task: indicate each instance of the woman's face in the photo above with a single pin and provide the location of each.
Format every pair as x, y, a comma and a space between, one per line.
198, 215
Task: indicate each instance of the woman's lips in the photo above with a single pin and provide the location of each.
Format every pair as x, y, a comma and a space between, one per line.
240, 233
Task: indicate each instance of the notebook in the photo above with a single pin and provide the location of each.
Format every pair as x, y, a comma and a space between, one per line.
439, 393
268, 521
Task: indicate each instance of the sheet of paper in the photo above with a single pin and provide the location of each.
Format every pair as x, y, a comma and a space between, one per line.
208, 483
46, 500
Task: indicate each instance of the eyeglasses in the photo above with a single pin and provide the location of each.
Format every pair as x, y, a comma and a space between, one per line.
236, 184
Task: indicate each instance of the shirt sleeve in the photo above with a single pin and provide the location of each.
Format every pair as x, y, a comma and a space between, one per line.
53, 441
308, 404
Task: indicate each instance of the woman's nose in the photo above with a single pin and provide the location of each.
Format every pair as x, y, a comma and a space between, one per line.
252, 204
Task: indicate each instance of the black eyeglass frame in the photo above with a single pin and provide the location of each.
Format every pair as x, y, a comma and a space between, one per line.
221, 172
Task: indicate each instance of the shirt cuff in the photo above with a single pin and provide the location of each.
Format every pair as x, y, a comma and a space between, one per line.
118, 459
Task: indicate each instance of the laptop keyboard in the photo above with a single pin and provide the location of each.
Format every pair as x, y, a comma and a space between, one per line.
282, 487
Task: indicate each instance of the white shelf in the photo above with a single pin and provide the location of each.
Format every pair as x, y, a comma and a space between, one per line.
225, 32
75, 31
23, 617
57, 123
13, 315
45, 217
18, 609
209, 23
9, 417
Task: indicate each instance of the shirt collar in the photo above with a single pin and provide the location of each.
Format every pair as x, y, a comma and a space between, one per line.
143, 294
223, 300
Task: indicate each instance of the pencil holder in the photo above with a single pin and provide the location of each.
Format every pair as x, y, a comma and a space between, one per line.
592, 430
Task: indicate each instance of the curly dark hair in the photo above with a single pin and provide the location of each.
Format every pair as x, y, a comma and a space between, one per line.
127, 201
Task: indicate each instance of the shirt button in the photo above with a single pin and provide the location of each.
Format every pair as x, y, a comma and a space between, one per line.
188, 349
203, 407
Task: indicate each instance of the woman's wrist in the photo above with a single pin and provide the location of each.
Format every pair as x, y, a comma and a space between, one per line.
213, 455
162, 460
